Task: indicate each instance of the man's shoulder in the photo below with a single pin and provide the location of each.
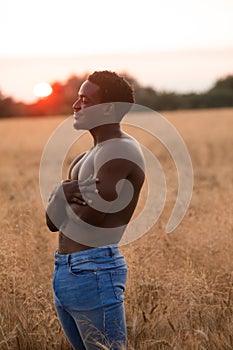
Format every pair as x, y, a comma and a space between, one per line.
122, 148
120, 144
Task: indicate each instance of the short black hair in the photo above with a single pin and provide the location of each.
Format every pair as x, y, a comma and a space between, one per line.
113, 87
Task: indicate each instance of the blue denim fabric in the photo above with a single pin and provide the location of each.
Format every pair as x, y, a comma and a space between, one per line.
88, 291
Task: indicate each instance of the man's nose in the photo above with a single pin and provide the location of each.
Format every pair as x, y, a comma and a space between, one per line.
77, 105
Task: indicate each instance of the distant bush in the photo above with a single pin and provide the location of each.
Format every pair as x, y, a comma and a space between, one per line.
220, 95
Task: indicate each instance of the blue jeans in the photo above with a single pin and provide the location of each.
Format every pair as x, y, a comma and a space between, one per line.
88, 291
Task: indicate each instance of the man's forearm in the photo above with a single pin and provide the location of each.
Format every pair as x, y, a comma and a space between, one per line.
56, 210
87, 214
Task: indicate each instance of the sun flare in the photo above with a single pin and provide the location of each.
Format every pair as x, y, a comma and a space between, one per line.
42, 89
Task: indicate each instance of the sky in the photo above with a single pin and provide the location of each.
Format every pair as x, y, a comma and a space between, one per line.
160, 42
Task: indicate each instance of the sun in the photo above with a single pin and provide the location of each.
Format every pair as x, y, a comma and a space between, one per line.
42, 89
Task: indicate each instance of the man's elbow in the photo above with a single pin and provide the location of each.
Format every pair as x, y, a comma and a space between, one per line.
50, 224
53, 228
108, 194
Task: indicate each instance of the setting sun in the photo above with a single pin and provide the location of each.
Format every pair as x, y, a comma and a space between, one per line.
42, 89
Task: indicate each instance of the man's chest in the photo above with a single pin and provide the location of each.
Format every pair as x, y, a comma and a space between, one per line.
84, 167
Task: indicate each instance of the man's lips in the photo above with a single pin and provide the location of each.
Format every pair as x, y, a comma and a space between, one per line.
77, 115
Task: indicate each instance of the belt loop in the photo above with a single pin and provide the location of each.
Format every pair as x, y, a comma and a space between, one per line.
111, 251
68, 259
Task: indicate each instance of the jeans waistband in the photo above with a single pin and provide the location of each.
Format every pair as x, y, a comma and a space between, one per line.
87, 254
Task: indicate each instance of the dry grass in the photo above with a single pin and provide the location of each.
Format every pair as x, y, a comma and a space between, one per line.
179, 289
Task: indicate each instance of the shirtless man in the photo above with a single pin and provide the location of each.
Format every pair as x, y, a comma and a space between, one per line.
91, 211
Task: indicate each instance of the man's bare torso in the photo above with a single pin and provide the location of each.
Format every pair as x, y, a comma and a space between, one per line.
85, 166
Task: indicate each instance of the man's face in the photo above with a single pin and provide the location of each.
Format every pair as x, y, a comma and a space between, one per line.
88, 95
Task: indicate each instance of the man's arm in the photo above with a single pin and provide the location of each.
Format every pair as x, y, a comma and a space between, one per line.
109, 175
56, 210
116, 160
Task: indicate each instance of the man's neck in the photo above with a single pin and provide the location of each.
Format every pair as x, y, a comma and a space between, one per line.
106, 132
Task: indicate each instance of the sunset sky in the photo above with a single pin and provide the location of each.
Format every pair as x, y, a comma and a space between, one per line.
170, 44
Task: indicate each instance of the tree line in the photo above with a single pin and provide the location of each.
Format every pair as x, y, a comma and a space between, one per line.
63, 96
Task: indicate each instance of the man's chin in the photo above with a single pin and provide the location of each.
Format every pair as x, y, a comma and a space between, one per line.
77, 125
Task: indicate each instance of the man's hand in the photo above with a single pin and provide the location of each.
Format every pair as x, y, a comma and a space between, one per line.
76, 191
72, 191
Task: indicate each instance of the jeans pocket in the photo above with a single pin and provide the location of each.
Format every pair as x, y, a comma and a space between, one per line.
118, 278
83, 269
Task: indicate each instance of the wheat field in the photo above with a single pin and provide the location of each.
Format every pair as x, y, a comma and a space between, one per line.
179, 290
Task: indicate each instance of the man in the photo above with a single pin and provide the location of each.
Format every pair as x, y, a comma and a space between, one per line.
91, 211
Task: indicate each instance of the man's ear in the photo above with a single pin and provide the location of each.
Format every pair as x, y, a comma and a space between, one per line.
109, 109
